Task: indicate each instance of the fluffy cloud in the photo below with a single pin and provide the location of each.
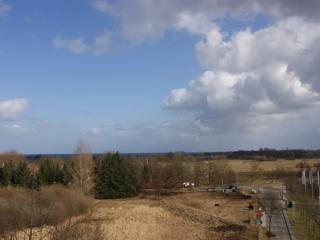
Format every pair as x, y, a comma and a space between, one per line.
251, 78
9, 109
255, 78
149, 19
4, 8
141, 19
100, 45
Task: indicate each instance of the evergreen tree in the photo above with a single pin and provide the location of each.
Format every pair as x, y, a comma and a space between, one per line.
146, 174
115, 177
47, 172
22, 174
3, 178
58, 174
13, 177
7, 170
67, 175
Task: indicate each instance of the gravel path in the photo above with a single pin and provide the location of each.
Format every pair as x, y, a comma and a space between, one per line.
276, 207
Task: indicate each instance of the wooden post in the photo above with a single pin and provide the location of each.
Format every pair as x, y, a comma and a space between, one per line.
312, 190
305, 187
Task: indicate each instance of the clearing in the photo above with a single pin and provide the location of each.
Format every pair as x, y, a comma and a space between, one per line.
193, 215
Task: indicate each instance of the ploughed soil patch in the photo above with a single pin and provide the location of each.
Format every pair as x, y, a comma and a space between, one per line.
228, 227
231, 231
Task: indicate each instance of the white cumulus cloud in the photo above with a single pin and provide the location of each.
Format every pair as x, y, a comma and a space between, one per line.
9, 109
253, 76
141, 20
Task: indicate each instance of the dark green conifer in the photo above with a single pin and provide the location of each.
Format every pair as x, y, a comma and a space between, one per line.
115, 177
22, 174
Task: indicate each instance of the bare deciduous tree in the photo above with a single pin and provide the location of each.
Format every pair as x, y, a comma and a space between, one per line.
82, 165
220, 172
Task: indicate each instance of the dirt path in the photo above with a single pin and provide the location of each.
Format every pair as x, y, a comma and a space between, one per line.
275, 207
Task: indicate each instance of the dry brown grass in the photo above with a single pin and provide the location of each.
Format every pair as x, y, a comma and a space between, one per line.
81, 228
23, 210
187, 216
242, 166
183, 216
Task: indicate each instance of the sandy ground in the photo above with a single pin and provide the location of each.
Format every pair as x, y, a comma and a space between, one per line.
184, 216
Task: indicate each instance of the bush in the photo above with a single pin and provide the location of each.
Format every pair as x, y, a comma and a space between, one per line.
82, 229
317, 165
22, 208
303, 164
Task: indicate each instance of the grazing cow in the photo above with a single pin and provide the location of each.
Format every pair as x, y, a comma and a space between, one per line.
188, 185
185, 184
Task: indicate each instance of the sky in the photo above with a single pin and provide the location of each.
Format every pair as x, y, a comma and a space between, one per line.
159, 76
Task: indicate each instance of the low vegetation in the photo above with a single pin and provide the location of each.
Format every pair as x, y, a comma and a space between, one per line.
305, 214
188, 216
52, 198
24, 212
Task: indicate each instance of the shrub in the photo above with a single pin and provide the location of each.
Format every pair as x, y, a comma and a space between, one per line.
303, 164
22, 208
82, 229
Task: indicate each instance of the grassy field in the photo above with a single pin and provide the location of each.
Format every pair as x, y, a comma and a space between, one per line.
185, 216
241, 166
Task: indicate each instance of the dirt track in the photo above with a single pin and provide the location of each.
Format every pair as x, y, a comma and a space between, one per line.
280, 225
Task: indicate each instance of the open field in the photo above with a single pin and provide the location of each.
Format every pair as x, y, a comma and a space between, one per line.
200, 215
187, 216
242, 166
178, 213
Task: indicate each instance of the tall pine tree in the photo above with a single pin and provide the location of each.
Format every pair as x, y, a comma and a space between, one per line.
22, 174
115, 177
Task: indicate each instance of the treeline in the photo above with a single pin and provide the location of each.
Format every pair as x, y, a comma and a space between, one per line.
262, 154
112, 175
272, 154
166, 173
116, 176
34, 204
107, 176
16, 171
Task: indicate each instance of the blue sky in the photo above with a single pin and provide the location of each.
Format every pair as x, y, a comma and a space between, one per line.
107, 71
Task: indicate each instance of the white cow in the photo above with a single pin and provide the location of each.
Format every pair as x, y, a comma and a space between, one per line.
189, 185
185, 184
